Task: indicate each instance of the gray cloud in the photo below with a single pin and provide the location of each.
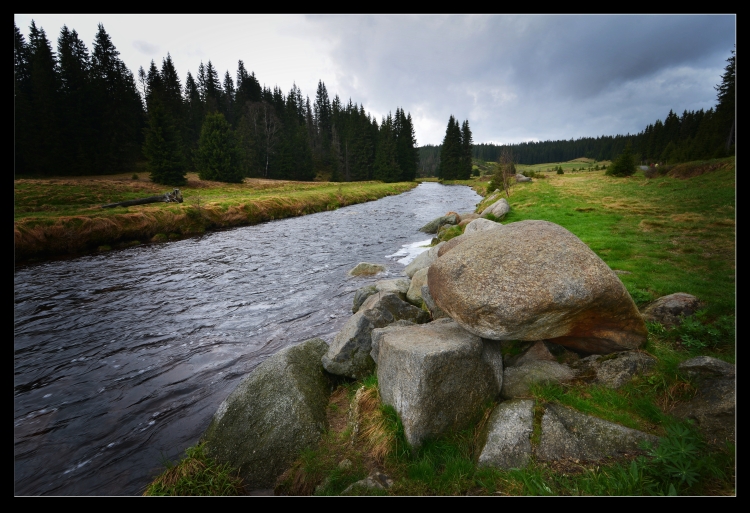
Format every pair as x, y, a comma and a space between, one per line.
146, 48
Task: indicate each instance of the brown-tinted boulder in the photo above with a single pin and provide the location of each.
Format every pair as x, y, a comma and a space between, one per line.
535, 280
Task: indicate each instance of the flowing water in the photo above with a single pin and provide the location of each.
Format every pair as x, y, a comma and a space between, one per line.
121, 359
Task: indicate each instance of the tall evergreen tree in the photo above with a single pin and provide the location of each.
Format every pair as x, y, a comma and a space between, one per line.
451, 152
21, 106
218, 155
466, 146
386, 166
725, 108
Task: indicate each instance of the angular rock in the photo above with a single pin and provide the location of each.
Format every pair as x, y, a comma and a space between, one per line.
276, 412
414, 295
366, 269
498, 208
434, 225
508, 439
378, 333
669, 310
424, 259
349, 353
569, 434
534, 280
399, 286
434, 309
536, 351
518, 380
435, 376
714, 406
615, 370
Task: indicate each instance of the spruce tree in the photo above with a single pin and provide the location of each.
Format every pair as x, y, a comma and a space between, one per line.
466, 146
451, 152
218, 157
624, 165
163, 147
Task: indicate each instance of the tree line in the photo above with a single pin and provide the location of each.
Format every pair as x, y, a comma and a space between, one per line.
694, 135
80, 113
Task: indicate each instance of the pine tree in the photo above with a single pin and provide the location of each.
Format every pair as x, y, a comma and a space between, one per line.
451, 152
386, 166
625, 163
21, 106
466, 146
218, 157
725, 109
163, 147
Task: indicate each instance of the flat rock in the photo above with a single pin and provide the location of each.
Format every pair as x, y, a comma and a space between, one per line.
534, 280
366, 269
399, 286
669, 310
276, 412
436, 376
518, 380
569, 434
617, 369
508, 439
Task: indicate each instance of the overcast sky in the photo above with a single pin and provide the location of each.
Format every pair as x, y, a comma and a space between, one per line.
515, 78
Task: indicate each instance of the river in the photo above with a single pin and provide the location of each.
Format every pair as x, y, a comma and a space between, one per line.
121, 359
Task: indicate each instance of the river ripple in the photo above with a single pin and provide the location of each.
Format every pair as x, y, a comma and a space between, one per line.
121, 359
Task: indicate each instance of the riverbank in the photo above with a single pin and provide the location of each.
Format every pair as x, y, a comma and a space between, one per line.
61, 217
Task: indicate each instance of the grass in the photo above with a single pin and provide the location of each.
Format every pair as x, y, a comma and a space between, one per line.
55, 217
196, 474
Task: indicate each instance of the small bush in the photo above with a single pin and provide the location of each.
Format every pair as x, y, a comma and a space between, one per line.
560, 170
625, 163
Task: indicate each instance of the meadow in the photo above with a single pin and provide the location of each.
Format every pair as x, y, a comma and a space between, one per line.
665, 234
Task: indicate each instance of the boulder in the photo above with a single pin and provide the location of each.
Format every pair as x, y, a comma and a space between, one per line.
534, 280
518, 380
424, 259
509, 429
534, 351
669, 310
366, 269
414, 294
378, 333
349, 353
713, 408
569, 434
481, 224
375, 481
434, 225
467, 217
436, 376
498, 208
399, 286
276, 412
522, 178
434, 309
617, 369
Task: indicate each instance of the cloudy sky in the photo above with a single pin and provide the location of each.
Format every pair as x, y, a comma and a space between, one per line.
514, 77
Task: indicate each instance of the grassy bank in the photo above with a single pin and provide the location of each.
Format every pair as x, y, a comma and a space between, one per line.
55, 217
672, 233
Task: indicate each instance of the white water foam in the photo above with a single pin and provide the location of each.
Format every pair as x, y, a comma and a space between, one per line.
409, 252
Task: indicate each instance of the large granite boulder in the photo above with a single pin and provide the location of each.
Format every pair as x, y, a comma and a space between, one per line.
349, 353
399, 286
670, 310
424, 259
437, 376
713, 408
275, 413
498, 208
569, 434
507, 442
535, 280
522, 178
429, 303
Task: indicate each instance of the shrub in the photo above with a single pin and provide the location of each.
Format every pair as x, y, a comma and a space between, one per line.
560, 170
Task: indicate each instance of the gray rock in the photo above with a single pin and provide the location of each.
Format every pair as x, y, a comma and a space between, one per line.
366, 269
522, 178
434, 225
534, 280
498, 208
569, 434
669, 310
414, 295
435, 376
617, 369
714, 406
378, 333
508, 439
435, 310
375, 481
480, 225
424, 259
349, 353
534, 352
399, 286
276, 412
518, 380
